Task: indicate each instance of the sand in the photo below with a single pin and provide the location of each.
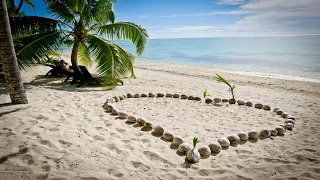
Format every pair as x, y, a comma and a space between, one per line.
69, 136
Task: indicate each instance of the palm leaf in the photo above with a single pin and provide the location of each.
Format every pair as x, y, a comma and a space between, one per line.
113, 62
205, 94
221, 79
60, 9
84, 55
29, 3
126, 31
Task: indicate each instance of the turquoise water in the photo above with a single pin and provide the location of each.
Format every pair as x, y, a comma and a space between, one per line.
285, 55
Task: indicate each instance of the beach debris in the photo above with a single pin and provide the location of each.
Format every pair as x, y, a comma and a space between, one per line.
290, 117
279, 111
290, 126
132, 119
280, 130
225, 100
284, 114
158, 130
144, 95
129, 95
258, 106
141, 121
151, 95
232, 101
123, 114
206, 94
224, 142
265, 133
167, 135
169, 95
217, 100
191, 98
231, 88
193, 155
208, 101
137, 95
241, 103
215, 147
116, 98
160, 95
184, 148
177, 140
253, 134
273, 132
275, 109
176, 95
115, 111
183, 96
234, 139
204, 151
121, 97
243, 136
148, 124
266, 108
290, 121
249, 104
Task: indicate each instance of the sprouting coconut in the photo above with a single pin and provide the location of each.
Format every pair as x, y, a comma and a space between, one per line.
193, 155
231, 88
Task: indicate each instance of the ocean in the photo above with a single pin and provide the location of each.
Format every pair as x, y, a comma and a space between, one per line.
286, 57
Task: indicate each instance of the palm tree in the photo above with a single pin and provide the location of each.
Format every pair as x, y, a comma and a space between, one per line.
13, 9
9, 60
86, 24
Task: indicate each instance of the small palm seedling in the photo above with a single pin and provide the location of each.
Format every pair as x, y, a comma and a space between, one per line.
193, 155
206, 94
222, 79
195, 142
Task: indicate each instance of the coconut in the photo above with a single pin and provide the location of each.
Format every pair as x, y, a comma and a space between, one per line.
234, 139
144, 95
137, 95
232, 101
197, 98
290, 117
132, 119
168, 95
204, 151
115, 111
253, 134
215, 147
184, 148
168, 135
280, 130
176, 96
224, 142
124, 96
249, 104
148, 124
191, 98
279, 111
265, 133
193, 156
290, 121
273, 132
123, 114
129, 95
141, 121
275, 109
151, 95
160, 94
116, 98
284, 114
184, 96
266, 107
216, 100
177, 140
258, 106
208, 101
243, 136
121, 97
158, 130
241, 103
290, 126
225, 100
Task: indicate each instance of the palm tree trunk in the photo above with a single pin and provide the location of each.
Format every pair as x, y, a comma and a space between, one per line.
9, 59
74, 55
19, 7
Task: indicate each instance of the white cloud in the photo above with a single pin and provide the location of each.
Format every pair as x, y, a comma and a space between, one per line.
231, 2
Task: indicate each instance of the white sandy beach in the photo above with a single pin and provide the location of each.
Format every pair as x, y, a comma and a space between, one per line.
70, 136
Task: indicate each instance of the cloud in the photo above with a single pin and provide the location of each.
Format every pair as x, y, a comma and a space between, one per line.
231, 2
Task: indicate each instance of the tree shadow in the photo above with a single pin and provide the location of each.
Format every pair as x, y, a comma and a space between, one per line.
6, 157
11, 111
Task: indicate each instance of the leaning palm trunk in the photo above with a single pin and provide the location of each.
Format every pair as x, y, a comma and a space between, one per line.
9, 59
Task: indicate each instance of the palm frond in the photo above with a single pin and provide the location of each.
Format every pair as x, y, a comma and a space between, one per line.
221, 79
113, 62
60, 9
40, 45
30, 4
84, 55
28, 25
102, 11
127, 31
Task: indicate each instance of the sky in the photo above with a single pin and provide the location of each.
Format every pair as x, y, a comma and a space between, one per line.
214, 18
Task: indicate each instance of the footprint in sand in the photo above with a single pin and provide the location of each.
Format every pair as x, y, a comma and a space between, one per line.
140, 166
27, 158
41, 117
46, 142
120, 130
54, 129
115, 173
66, 143
98, 138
